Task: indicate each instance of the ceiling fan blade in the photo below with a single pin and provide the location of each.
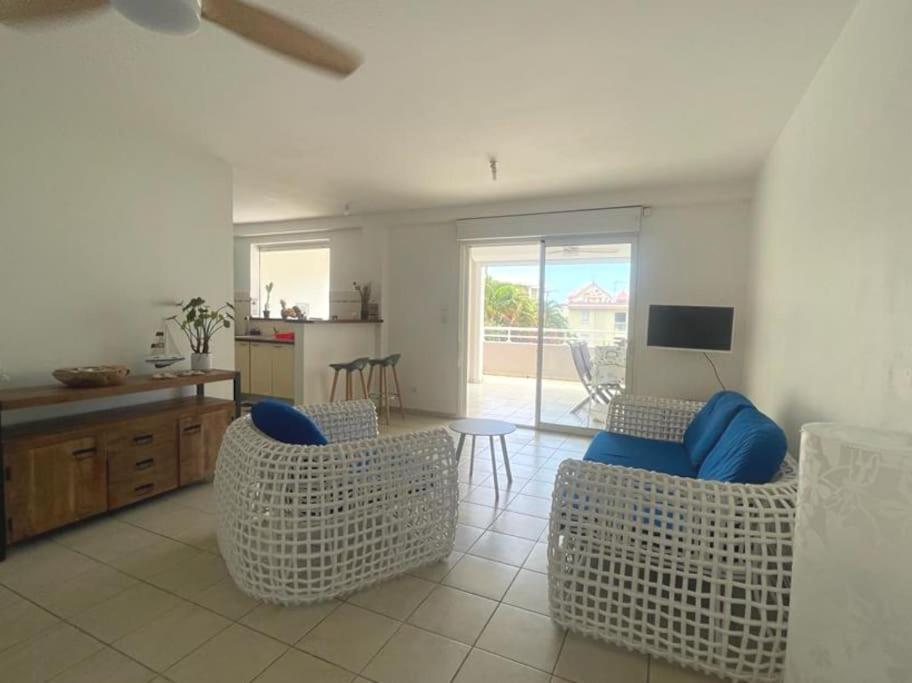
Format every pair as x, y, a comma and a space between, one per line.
20, 11
280, 35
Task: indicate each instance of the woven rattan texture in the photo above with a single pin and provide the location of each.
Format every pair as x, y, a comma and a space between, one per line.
695, 572
299, 524
651, 418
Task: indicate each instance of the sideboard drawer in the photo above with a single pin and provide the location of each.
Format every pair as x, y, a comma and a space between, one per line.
141, 463
139, 434
141, 487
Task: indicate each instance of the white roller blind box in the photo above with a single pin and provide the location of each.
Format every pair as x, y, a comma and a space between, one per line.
535, 225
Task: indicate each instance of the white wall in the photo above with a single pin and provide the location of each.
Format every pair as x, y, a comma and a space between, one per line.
423, 314
832, 280
102, 229
692, 255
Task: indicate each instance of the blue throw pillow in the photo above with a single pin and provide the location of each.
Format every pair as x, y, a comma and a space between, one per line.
750, 451
707, 426
285, 423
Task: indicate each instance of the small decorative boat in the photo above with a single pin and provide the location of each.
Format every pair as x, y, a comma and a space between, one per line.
163, 351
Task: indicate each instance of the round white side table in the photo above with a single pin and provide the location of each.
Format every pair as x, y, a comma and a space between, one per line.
475, 427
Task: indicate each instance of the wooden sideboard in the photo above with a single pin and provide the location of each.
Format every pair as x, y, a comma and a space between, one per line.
60, 471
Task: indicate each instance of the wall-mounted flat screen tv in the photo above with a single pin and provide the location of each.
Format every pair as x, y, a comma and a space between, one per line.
693, 328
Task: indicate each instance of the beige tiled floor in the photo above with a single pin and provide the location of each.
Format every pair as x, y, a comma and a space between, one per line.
143, 596
513, 399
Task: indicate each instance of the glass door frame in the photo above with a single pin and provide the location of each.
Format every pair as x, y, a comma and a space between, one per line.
465, 326
632, 327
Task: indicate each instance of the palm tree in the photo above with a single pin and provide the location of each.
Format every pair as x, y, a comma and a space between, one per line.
510, 305
554, 315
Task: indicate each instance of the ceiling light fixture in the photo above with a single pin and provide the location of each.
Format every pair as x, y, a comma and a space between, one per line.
179, 17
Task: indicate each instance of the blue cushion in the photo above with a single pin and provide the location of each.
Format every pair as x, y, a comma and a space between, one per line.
750, 450
707, 426
285, 423
645, 454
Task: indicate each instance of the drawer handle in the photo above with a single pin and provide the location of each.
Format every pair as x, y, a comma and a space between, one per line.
145, 464
82, 453
144, 489
143, 439
192, 429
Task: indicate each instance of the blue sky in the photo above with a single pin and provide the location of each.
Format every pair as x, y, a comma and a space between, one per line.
563, 278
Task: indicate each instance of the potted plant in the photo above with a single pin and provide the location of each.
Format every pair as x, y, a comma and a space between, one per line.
268, 295
199, 322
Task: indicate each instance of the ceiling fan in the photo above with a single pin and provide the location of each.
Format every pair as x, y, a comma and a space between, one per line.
184, 16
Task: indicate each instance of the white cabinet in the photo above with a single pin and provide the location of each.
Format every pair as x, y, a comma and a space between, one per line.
271, 370
261, 369
282, 357
242, 364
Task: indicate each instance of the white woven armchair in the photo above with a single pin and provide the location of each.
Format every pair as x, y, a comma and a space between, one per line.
696, 572
299, 524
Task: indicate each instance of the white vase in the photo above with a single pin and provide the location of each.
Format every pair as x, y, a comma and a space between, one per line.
200, 361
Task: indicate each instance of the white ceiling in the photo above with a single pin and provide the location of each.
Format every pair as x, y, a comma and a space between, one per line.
571, 96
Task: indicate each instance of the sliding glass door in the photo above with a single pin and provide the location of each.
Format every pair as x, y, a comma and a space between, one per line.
585, 310
546, 329
501, 331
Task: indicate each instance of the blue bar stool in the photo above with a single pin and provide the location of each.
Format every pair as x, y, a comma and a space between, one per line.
383, 396
350, 368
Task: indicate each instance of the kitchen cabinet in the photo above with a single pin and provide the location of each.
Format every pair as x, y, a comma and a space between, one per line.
261, 369
242, 364
271, 369
282, 357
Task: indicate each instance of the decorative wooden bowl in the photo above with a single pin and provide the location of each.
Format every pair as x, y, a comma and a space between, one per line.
92, 376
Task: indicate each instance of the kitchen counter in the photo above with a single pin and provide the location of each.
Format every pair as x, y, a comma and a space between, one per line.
263, 339
299, 369
315, 322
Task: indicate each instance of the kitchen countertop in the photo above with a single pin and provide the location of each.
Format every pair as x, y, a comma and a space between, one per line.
263, 338
314, 322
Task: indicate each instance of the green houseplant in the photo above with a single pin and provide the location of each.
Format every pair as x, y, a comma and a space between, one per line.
269, 287
199, 322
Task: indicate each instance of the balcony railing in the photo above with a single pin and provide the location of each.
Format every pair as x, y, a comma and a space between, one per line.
552, 336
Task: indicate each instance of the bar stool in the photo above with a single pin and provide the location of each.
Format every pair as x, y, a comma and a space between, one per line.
350, 368
384, 395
